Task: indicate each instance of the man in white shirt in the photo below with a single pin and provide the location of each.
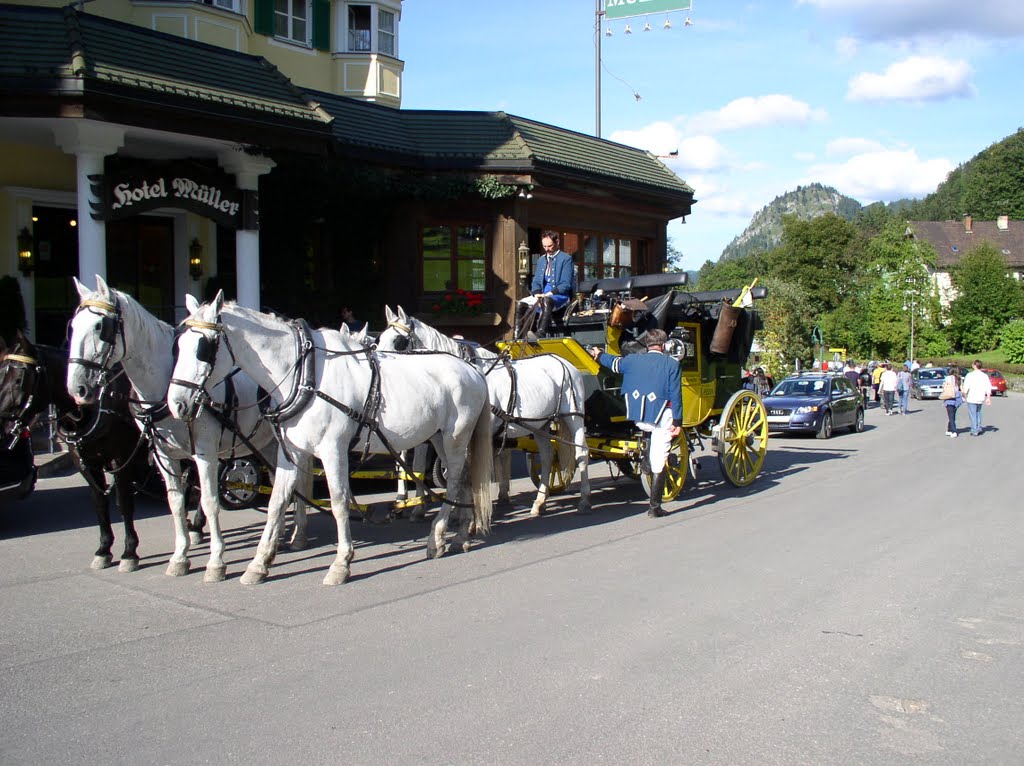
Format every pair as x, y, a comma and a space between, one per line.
977, 391
887, 385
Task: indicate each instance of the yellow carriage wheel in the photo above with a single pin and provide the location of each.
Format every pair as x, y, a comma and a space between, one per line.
560, 477
743, 438
676, 469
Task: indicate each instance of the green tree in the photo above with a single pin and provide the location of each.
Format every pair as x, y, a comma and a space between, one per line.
820, 256
788, 321
1011, 340
987, 298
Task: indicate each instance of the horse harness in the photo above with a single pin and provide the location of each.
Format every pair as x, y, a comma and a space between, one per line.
18, 420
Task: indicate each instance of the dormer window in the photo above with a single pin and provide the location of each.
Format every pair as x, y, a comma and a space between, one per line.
370, 28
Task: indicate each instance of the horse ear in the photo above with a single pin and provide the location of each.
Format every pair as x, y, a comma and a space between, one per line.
191, 304
83, 291
389, 315
401, 316
361, 335
344, 330
218, 302
101, 287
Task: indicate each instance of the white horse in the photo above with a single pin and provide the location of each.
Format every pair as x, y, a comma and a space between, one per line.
546, 390
109, 327
334, 389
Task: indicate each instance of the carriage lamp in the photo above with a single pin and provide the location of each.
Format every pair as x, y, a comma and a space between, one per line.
195, 258
524, 260
26, 258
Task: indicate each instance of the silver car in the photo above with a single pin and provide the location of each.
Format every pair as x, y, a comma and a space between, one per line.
926, 382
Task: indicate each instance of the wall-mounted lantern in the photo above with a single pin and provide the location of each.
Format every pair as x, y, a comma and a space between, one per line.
524, 260
195, 258
26, 257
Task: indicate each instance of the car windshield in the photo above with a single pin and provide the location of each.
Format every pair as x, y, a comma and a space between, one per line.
934, 374
995, 374
800, 387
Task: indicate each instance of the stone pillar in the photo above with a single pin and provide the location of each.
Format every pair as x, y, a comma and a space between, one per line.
90, 142
247, 169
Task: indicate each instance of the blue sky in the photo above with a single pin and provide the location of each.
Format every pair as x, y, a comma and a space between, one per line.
878, 98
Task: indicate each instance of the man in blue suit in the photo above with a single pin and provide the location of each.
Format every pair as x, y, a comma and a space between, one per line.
551, 287
652, 385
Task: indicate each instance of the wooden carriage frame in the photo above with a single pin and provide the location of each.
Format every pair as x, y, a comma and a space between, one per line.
710, 333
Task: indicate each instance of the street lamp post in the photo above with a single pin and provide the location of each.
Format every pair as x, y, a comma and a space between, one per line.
912, 307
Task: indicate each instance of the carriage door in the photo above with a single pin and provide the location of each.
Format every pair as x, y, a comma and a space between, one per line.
698, 395
140, 261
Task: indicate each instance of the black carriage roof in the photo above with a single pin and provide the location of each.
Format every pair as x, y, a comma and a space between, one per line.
624, 284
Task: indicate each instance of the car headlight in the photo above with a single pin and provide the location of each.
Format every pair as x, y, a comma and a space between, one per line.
805, 409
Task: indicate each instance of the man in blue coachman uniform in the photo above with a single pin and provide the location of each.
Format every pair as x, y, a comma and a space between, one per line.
652, 386
551, 287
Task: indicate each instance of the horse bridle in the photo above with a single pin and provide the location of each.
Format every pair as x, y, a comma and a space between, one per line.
206, 352
406, 339
111, 326
17, 421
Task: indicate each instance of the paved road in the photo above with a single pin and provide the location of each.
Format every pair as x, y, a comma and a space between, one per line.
862, 603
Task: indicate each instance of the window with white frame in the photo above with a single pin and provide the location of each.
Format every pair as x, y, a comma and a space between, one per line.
291, 20
370, 28
228, 5
385, 32
359, 32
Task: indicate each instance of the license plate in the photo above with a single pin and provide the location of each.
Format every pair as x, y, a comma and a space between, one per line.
783, 419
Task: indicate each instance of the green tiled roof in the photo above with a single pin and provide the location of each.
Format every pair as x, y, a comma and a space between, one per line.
492, 141
45, 51
60, 42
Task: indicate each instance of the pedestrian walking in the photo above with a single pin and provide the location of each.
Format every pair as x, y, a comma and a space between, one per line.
952, 398
887, 383
977, 391
876, 376
903, 381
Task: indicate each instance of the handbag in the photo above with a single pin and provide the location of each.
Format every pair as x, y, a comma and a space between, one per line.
948, 389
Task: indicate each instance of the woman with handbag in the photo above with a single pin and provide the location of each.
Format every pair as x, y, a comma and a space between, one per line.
952, 399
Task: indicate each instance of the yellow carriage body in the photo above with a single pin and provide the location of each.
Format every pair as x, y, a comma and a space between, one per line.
715, 406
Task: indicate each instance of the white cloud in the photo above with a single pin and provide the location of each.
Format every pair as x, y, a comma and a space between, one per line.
750, 112
844, 147
883, 175
918, 78
695, 153
804, 157
904, 19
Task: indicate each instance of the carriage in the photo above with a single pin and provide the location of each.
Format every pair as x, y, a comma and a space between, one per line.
709, 333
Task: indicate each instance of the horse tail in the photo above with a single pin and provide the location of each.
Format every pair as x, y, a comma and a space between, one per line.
481, 468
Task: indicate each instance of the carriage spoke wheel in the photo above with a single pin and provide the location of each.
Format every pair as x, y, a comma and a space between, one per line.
744, 438
677, 467
560, 476
239, 483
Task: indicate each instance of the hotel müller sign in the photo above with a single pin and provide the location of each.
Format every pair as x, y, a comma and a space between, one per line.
128, 192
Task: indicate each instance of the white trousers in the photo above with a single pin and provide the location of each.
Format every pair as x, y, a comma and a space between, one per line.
661, 440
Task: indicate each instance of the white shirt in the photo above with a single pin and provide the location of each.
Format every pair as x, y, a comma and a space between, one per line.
976, 387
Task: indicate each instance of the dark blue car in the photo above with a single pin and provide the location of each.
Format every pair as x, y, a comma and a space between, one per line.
815, 402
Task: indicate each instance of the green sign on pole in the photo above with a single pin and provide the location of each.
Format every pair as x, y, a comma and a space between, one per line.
621, 9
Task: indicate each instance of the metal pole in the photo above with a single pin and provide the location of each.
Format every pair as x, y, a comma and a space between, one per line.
597, 68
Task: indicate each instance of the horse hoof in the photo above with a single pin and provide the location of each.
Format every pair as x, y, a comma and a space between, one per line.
584, 509
195, 538
253, 577
128, 565
535, 512
101, 562
177, 568
466, 546
503, 500
298, 544
215, 574
336, 576
437, 552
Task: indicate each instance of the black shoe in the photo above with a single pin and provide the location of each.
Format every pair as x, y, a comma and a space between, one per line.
656, 512
545, 317
657, 489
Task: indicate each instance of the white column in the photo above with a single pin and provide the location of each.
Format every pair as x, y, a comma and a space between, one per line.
247, 170
90, 142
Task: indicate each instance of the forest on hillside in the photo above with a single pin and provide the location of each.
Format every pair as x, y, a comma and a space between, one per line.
866, 285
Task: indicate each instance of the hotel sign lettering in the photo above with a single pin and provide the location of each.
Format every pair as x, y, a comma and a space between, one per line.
198, 189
